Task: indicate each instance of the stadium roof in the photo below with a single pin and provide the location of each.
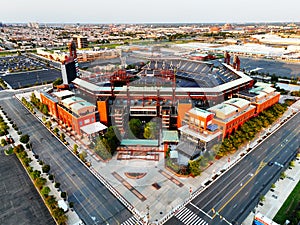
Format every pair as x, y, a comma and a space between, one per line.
87, 85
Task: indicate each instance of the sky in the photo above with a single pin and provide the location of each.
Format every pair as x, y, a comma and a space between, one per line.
152, 11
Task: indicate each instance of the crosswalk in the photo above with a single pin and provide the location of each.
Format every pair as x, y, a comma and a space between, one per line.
132, 221
187, 217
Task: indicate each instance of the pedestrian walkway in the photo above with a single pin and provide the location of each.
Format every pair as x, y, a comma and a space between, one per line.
132, 221
187, 217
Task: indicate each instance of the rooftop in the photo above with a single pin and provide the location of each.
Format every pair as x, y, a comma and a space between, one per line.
224, 109
79, 105
61, 94
170, 136
200, 112
72, 100
238, 102
143, 142
93, 128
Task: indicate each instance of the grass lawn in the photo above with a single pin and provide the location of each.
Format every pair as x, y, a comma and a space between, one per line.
289, 206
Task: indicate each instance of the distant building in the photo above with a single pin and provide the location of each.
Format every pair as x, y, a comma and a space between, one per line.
81, 42
68, 71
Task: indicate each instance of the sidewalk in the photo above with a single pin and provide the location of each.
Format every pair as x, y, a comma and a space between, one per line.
73, 218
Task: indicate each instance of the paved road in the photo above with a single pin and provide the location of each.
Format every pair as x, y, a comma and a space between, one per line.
92, 201
237, 192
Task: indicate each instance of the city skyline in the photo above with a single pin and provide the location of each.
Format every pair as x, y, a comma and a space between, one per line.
116, 11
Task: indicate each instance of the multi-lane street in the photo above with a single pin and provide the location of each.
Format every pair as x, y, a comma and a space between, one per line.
92, 201
232, 196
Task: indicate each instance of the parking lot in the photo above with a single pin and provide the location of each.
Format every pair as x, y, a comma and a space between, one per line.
20, 202
21, 71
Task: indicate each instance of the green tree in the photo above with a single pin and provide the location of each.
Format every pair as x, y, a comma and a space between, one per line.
46, 168
24, 138
3, 142
40, 182
45, 191
35, 174
194, 167
62, 137
60, 216
58, 81
111, 136
135, 127
82, 156
51, 201
63, 195
55, 131
75, 149
150, 130
45, 110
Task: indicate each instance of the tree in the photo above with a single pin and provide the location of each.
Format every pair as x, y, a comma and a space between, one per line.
19, 148
46, 168
111, 136
135, 127
194, 167
57, 185
45, 191
51, 201
150, 130
3, 142
59, 216
35, 174
58, 81
45, 110
262, 198
63, 195
51, 177
55, 131
75, 149
82, 156
40, 182
62, 137
24, 138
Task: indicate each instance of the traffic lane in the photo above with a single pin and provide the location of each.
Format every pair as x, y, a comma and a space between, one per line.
75, 182
240, 206
115, 204
211, 195
93, 189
